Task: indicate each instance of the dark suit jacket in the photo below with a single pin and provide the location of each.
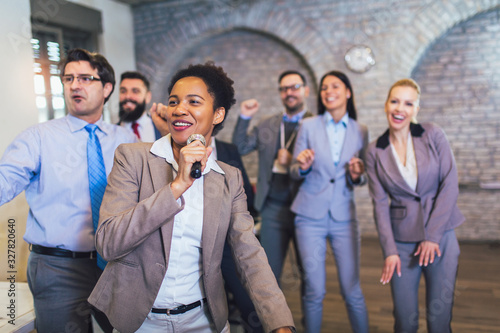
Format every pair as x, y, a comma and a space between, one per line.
401, 213
228, 153
134, 236
264, 138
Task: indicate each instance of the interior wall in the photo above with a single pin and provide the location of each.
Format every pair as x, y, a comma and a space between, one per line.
18, 112
116, 42
320, 32
460, 79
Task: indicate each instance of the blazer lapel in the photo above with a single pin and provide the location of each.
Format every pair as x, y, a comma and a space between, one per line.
161, 174
389, 164
421, 153
212, 190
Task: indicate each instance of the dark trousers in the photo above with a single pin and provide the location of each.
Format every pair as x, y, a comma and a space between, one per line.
60, 288
243, 302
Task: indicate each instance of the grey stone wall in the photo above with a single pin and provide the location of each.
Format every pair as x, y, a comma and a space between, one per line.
436, 41
460, 80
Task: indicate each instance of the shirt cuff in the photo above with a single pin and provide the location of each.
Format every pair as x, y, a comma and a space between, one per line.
304, 172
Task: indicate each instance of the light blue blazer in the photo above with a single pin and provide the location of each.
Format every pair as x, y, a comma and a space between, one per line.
327, 188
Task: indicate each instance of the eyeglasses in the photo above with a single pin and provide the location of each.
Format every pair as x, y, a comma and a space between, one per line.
295, 87
84, 79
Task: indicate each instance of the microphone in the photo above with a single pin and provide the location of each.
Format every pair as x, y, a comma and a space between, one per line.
196, 168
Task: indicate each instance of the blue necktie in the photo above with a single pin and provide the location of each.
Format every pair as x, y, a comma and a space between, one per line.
97, 178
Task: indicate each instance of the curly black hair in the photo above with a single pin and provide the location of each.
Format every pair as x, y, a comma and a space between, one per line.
219, 86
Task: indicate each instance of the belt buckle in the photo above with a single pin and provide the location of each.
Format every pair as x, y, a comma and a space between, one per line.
168, 312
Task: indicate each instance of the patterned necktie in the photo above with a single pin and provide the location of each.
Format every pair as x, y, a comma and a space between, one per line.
135, 127
97, 178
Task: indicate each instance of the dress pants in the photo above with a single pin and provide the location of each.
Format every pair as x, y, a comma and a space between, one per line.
344, 238
276, 232
197, 320
60, 288
440, 277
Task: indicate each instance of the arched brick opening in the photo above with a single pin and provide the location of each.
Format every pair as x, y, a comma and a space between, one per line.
160, 53
430, 24
460, 79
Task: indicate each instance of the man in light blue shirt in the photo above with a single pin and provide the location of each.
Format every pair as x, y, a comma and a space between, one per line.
49, 161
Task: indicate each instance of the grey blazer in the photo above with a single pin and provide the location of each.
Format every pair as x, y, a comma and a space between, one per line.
134, 236
327, 188
264, 138
402, 214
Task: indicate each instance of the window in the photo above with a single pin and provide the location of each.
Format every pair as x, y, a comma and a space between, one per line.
70, 27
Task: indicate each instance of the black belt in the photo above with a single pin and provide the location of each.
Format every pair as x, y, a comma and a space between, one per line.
179, 309
52, 251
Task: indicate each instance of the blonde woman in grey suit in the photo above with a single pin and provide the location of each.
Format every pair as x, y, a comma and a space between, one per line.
328, 157
414, 187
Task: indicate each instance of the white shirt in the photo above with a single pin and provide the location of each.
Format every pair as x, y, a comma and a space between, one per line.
146, 128
408, 171
183, 283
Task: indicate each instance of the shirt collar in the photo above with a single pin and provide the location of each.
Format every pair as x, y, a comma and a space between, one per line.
141, 121
344, 120
295, 118
76, 124
163, 148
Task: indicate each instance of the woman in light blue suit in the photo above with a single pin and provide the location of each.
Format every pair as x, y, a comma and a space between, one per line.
413, 183
328, 157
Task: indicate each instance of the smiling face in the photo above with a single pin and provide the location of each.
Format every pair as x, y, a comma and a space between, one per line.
191, 111
401, 107
85, 101
334, 96
134, 96
293, 99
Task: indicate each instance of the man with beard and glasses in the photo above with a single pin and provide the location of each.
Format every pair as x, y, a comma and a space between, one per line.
134, 96
274, 139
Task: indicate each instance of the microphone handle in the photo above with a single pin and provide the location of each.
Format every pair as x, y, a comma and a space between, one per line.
196, 170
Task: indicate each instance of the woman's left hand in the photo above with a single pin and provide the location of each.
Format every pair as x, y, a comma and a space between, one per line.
356, 168
427, 251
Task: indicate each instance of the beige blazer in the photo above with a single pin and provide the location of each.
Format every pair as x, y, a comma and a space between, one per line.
134, 236
405, 215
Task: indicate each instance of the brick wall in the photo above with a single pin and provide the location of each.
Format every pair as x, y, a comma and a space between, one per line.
460, 80
256, 40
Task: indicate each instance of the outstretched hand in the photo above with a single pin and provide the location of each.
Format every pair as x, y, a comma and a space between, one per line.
391, 264
427, 252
